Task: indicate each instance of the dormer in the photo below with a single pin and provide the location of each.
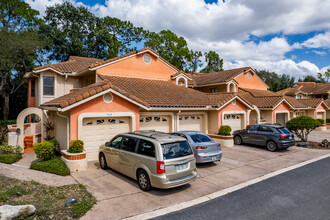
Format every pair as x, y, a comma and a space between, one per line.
181, 78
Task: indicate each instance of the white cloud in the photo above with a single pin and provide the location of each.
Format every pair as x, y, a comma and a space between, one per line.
318, 41
321, 53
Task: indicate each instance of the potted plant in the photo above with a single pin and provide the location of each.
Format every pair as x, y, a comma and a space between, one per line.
224, 136
75, 156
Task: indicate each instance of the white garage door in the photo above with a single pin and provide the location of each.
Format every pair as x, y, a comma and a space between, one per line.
233, 120
190, 123
97, 131
158, 123
319, 115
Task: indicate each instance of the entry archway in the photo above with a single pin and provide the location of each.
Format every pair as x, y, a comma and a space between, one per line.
20, 123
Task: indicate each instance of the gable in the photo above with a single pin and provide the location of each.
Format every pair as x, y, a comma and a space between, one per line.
250, 80
134, 66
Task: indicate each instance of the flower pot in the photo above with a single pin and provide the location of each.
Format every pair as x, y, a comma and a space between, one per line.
225, 141
75, 161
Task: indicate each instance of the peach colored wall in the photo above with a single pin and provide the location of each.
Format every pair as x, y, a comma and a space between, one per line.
98, 105
135, 67
282, 107
321, 107
253, 83
230, 107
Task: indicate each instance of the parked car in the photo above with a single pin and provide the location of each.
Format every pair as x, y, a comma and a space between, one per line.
205, 149
152, 158
274, 137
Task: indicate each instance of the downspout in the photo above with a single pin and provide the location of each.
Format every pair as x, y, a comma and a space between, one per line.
67, 128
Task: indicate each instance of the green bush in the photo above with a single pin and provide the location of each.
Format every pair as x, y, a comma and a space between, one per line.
321, 120
8, 122
76, 146
225, 130
328, 120
53, 142
44, 150
10, 158
7, 149
302, 126
56, 166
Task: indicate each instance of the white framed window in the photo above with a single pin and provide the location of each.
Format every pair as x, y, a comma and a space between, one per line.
298, 96
107, 98
48, 85
147, 59
249, 75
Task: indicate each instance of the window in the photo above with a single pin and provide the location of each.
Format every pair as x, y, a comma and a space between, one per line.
141, 119
253, 128
116, 142
175, 150
283, 131
148, 119
146, 148
146, 59
107, 98
100, 121
249, 75
164, 119
213, 90
298, 96
157, 119
129, 144
89, 123
33, 88
265, 129
112, 121
198, 138
48, 85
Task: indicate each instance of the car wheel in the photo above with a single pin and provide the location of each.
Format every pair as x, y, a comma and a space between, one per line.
271, 146
238, 140
103, 162
143, 180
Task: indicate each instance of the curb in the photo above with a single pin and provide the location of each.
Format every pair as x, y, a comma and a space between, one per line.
184, 205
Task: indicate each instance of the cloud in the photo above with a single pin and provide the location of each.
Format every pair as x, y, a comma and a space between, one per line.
321, 53
318, 41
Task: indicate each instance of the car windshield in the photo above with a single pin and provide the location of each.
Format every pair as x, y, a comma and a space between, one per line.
176, 149
199, 138
283, 131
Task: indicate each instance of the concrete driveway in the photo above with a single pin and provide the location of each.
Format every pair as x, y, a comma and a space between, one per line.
119, 196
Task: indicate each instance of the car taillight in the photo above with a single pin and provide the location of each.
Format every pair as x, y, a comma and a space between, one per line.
219, 145
160, 167
200, 147
283, 136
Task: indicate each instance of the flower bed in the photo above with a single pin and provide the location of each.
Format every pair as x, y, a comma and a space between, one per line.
75, 161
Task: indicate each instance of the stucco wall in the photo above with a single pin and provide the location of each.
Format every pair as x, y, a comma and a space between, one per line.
98, 105
310, 113
320, 108
213, 122
283, 107
234, 109
60, 130
135, 67
250, 83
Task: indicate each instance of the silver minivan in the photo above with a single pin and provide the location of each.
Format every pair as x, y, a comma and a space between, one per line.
154, 159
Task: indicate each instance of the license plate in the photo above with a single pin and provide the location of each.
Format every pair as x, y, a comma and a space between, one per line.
290, 137
213, 158
182, 167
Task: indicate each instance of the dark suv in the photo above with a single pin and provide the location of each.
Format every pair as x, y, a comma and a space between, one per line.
274, 137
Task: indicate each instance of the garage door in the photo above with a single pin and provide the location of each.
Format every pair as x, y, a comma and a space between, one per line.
157, 123
233, 120
97, 131
319, 115
190, 123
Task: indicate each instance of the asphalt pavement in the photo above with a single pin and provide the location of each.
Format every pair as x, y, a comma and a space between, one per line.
303, 193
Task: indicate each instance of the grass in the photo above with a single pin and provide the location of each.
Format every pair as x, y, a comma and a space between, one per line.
48, 200
10, 158
55, 166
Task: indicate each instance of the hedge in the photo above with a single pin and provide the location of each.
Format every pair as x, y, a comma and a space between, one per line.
55, 166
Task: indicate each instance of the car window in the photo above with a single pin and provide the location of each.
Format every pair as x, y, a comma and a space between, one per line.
265, 129
129, 144
116, 142
146, 148
180, 135
176, 149
199, 138
283, 131
253, 128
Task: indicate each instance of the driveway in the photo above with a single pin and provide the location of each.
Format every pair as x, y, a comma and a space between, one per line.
119, 196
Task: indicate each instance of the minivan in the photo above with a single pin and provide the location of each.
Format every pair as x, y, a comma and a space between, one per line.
154, 159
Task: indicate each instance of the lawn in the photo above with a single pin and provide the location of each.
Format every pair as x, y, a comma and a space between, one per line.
48, 200
10, 158
55, 166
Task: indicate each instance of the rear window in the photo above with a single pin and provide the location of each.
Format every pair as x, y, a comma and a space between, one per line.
283, 131
175, 150
199, 138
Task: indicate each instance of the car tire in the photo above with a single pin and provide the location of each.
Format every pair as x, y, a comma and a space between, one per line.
143, 181
238, 140
271, 146
103, 162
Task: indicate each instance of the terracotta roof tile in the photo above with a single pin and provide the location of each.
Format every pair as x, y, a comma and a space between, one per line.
327, 102
312, 103
295, 102
268, 100
307, 88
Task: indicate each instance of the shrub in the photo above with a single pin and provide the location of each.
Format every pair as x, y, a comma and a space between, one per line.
225, 130
302, 126
321, 120
53, 142
56, 166
10, 158
7, 149
76, 146
44, 150
328, 120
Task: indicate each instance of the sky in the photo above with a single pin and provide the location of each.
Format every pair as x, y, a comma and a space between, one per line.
287, 37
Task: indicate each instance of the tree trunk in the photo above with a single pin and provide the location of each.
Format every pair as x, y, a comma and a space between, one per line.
5, 107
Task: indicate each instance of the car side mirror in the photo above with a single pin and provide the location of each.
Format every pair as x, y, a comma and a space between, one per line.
107, 144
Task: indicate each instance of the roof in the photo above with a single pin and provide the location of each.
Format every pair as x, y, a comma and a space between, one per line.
295, 102
73, 65
181, 72
312, 103
260, 98
327, 102
307, 88
147, 92
217, 77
